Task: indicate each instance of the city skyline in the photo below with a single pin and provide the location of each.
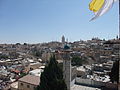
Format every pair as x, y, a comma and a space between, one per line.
43, 21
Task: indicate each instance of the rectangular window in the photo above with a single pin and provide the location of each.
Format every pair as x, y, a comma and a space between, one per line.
28, 86
21, 84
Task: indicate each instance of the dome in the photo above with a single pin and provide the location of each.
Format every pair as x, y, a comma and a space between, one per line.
66, 47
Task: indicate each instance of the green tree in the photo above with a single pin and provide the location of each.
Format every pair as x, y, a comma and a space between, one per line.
52, 77
38, 54
114, 74
3, 57
77, 61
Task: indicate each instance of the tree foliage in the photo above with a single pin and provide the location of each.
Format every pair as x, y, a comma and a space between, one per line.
52, 77
77, 61
37, 53
114, 74
3, 57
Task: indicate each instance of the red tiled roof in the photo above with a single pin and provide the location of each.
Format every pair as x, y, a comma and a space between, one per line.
16, 71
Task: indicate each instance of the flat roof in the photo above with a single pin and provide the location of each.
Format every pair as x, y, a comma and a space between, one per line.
36, 72
31, 79
14, 85
80, 87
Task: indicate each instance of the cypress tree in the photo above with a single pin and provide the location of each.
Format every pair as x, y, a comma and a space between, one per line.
114, 74
52, 77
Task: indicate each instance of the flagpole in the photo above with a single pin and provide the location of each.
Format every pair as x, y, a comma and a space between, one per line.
119, 21
119, 49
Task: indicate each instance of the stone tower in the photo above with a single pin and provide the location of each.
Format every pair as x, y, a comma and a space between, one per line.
63, 39
67, 67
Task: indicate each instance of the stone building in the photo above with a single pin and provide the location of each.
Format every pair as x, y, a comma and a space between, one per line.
28, 82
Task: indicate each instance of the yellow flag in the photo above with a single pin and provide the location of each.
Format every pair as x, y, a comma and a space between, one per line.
100, 7
96, 5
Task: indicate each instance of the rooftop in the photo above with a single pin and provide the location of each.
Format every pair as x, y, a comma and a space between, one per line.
36, 72
34, 80
80, 87
14, 85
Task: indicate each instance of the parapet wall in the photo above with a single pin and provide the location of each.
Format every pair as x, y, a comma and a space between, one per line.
93, 83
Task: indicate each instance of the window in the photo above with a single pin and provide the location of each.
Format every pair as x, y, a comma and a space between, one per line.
34, 88
21, 84
28, 86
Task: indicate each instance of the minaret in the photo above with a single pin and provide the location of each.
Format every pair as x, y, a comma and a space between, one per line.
63, 39
67, 66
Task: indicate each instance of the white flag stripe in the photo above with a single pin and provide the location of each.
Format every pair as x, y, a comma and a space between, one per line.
107, 5
115, 0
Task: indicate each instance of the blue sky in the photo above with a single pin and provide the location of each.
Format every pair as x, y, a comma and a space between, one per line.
35, 21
